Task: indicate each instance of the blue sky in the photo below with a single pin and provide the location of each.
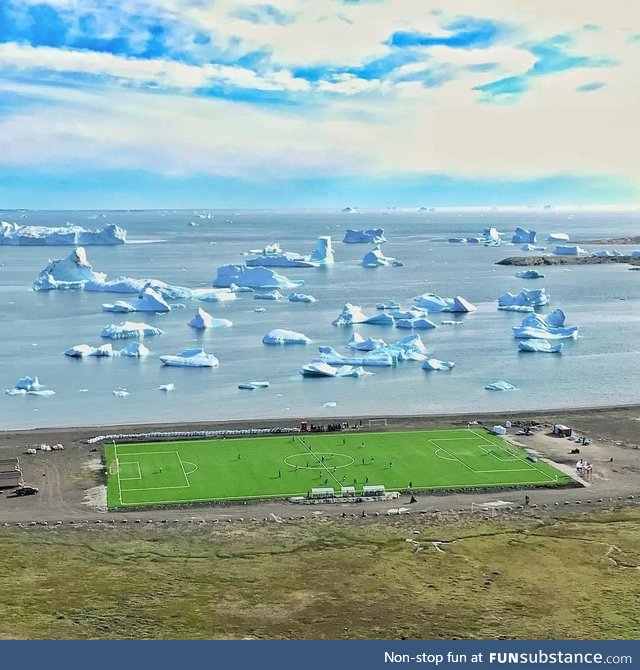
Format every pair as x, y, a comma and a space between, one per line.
196, 103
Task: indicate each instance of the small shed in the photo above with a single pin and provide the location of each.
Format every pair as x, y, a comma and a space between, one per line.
561, 430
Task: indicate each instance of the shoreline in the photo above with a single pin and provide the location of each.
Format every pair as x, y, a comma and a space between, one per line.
394, 422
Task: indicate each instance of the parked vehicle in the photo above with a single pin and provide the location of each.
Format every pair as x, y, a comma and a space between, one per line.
26, 491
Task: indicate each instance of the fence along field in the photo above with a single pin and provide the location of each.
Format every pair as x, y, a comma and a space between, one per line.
162, 473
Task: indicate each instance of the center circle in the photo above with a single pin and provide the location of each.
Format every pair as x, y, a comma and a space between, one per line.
319, 460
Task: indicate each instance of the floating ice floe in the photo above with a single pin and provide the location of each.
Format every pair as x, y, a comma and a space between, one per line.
119, 306
270, 295
29, 386
391, 304
569, 250
234, 288
451, 323
490, 237
79, 351
72, 272
529, 274
260, 309
252, 277
129, 329
300, 297
532, 247
14, 234
135, 350
167, 387
252, 386
280, 336
375, 358
535, 297
523, 236
216, 295
131, 285
318, 369
419, 323
376, 258
121, 393
516, 308
191, 358
370, 236
149, 300
350, 314
273, 256
360, 344
104, 351
541, 346
500, 386
435, 364
550, 327
204, 320
434, 303
558, 237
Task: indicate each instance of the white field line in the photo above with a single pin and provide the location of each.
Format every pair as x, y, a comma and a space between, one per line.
115, 451
126, 479
304, 444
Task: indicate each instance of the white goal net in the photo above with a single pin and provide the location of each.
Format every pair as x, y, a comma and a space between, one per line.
377, 423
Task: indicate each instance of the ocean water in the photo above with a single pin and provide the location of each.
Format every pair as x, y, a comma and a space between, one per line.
600, 368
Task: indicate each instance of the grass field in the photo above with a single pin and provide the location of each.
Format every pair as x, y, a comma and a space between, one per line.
266, 467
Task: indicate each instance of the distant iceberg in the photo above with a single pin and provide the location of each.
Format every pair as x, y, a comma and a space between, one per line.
435, 364
541, 346
377, 358
129, 329
204, 320
216, 295
280, 336
273, 256
119, 307
523, 236
300, 297
252, 386
420, 323
318, 369
323, 253
532, 247
370, 236
131, 285
558, 237
135, 350
550, 327
529, 274
79, 351
569, 250
516, 308
29, 386
350, 314
167, 387
269, 295
258, 277
500, 386
14, 234
535, 297
376, 258
391, 304
72, 272
381, 319
360, 344
104, 351
149, 300
434, 303
191, 358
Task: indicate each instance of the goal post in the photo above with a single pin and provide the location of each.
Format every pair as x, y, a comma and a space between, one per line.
114, 467
377, 423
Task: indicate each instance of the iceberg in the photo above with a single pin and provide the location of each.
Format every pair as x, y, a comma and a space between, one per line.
529, 274
421, 323
72, 272
370, 236
273, 256
377, 358
29, 384
451, 323
150, 300
491, 235
541, 346
558, 237
234, 288
167, 387
458, 240
218, 295
323, 253
376, 258
252, 386
381, 319
131, 285
516, 308
79, 351
129, 329
271, 295
135, 350
391, 304
121, 393
500, 386
435, 364
204, 320
318, 369
252, 277
434, 303
360, 344
350, 314
411, 344
351, 371
531, 247
527, 297
104, 351
550, 327
119, 306
300, 297
191, 358
14, 234
280, 336
569, 250
523, 236
260, 309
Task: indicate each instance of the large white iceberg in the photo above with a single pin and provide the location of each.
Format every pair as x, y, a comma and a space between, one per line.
529, 274
135, 350
569, 250
550, 327
149, 300
79, 351
119, 307
558, 237
370, 236
131, 285
29, 386
258, 277
419, 323
350, 314
434, 303
523, 236
14, 234
300, 297
435, 364
531, 247
377, 358
376, 258
323, 253
318, 369
280, 336
540, 346
216, 295
273, 256
191, 358
500, 386
535, 297
204, 320
360, 344
71, 272
129, 329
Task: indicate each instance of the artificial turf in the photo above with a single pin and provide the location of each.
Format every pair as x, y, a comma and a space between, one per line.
282, 466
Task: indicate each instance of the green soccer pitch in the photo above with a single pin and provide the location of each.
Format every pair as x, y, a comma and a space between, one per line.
163, 473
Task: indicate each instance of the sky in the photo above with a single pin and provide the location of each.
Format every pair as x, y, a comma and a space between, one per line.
318, 103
